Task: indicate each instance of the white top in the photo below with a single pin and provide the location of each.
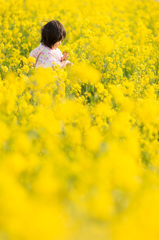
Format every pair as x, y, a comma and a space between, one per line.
45, 56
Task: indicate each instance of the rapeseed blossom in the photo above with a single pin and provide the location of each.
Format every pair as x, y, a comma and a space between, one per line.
79, 146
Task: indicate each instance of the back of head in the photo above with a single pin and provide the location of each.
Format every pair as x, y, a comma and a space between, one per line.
52, 32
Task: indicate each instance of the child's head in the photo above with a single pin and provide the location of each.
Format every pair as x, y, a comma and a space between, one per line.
52, 32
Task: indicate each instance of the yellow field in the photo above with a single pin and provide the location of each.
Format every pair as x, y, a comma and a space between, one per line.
79, 148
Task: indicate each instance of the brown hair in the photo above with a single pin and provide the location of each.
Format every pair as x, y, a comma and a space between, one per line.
52, 32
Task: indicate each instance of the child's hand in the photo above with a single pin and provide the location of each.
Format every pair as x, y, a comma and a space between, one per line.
65, 56
69, 63
65, 63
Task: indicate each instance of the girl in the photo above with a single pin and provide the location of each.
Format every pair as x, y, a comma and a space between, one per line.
48, 53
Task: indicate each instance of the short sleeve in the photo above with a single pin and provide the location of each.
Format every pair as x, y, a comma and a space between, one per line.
32, 54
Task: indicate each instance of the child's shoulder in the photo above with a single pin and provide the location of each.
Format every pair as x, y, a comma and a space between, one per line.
58, 51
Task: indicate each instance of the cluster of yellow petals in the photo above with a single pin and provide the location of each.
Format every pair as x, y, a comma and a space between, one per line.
79, 147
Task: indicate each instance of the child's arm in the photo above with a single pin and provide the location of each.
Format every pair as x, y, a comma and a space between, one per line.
62, 64
65, 56
65, 63
64, 60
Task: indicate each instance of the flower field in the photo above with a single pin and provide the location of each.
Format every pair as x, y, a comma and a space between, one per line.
79, 147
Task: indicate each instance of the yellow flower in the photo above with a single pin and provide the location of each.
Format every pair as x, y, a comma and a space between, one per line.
45, 99
93, 139
86, 73
4, 69
4, 132
31, 60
